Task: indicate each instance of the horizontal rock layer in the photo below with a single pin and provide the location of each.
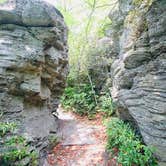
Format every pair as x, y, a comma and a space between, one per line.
139, 72
33, 67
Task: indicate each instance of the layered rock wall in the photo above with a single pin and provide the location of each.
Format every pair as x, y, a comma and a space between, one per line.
33, 67
139, 72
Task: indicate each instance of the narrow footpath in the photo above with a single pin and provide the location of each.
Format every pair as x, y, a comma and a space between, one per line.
82, 142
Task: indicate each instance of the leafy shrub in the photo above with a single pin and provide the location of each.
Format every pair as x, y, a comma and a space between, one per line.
130, 149
106, 104
14, 148
81, 98
6, 127
15, 153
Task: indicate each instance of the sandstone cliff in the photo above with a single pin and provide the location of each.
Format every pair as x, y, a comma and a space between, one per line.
33, 67
139, 71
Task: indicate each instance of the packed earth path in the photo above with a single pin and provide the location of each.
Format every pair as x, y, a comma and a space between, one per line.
82, 142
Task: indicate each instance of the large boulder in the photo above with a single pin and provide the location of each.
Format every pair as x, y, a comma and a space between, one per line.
33, 67
139, 72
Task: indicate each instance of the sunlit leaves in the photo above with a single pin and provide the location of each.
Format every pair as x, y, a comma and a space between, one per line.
131, 151
2, 1
87, 21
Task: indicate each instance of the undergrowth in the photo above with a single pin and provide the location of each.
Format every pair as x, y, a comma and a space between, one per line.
7, 127
106, 105
14, 149
81, 99
85, 101
130, 150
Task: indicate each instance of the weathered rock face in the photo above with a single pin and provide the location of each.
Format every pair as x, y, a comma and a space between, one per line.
33, 66
99, 63
139, 73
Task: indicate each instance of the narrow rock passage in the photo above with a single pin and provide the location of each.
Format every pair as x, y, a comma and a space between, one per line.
82, 142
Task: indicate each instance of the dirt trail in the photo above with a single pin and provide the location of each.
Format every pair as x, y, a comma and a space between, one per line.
82, 142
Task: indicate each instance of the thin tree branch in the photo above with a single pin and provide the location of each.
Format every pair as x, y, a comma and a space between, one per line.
90, 18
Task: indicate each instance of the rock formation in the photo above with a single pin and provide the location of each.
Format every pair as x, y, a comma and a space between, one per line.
139, 72
33, 67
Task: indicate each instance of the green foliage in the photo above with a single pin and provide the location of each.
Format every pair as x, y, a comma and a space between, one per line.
139, 2
130, 149
14, 148
2, 1
34, 158
17, 152
106, 104
6, 127
105, 24
86, 21
69, 18
15, 140
13, 154
81, 98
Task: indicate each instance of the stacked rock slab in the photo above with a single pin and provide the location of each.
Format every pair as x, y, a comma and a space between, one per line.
139, 72
33, 67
